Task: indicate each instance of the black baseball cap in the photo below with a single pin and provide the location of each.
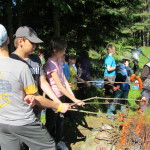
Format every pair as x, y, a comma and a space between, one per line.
28, 33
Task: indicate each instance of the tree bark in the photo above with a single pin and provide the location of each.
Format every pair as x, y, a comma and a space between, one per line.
56, 21
19, 12
9, 14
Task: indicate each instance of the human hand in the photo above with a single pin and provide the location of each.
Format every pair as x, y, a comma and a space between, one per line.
30, 99
143, 101
80, 103
65, 107
88, 84
116, 88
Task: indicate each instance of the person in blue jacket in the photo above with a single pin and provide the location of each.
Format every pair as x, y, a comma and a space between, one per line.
109, 71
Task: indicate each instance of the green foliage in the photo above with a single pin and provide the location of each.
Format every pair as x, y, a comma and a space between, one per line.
63, 5
97, 60
93, 54
72, 51
83, 23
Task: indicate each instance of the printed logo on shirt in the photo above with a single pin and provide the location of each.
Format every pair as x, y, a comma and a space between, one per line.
5, 89
35, 70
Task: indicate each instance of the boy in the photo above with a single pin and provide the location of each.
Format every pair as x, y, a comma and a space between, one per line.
73, 74
25, 43
17, 120
123, 73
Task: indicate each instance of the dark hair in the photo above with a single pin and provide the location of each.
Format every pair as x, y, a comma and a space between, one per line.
124, 60
57, 45
138, 44
84, 54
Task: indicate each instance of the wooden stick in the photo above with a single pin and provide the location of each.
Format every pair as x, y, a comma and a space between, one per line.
88, 99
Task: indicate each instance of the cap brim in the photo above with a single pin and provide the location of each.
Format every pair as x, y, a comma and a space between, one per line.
72, 57
34, 39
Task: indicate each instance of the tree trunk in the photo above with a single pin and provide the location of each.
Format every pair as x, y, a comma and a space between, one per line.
143, 38
56, 21
10, 22
19, 12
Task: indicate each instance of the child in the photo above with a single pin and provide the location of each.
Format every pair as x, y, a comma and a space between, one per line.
85, 66
145, 76
109, 70
123, 73
73, 74
60, 86
25, 43
17, 120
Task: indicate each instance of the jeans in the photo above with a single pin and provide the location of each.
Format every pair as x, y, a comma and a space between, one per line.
118, 94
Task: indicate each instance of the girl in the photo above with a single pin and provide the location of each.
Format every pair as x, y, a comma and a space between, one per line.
60, 86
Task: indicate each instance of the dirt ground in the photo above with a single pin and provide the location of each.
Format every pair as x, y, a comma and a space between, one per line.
75, 131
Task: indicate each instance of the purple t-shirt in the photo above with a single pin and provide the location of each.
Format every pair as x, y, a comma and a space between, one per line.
50, 67
85, 65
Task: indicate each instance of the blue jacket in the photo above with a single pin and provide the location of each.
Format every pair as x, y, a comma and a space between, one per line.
123, 75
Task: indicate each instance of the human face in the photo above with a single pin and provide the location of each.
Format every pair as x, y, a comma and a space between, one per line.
27, 46
72, 61
113, 50
59, 54
126, 62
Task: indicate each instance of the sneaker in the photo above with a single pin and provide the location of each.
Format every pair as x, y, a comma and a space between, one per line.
61, 146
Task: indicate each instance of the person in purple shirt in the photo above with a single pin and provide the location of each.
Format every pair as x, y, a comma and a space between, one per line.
85, 66
85, 73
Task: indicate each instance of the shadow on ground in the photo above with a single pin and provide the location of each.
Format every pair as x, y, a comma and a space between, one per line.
72, 134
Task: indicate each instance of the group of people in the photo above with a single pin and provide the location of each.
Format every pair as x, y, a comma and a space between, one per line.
21, 75
117, 79
23, 79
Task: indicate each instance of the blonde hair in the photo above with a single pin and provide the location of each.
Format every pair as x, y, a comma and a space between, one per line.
110, 48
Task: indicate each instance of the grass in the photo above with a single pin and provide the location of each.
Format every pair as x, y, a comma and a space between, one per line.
136, 94
43, 120
93, 120
133, 94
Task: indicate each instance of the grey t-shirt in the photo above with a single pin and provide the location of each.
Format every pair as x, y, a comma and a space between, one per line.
35, 65
15, 82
